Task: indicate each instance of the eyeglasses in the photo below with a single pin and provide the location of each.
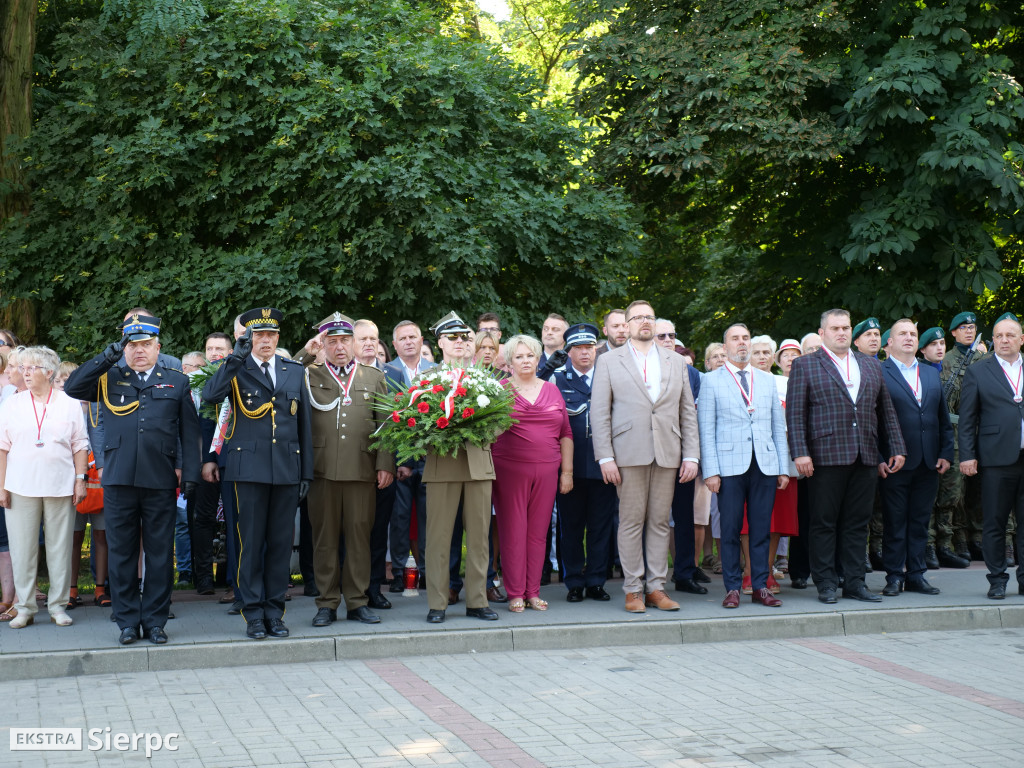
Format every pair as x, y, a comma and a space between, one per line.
30, 368
967, 327
664, 336
457, 336
648, 318
490, 330
4, 343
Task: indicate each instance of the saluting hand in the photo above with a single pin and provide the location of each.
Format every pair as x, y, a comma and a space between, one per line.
114, 351
243, 347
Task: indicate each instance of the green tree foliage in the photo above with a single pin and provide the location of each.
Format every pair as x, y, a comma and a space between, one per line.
315, 157
792, 156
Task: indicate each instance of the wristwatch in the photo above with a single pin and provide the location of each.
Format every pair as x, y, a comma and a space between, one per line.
81, 477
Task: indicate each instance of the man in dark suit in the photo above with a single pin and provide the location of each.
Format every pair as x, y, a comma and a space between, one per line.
840, 417
268, 466
148, 416
992, 441
909, 495
588, 508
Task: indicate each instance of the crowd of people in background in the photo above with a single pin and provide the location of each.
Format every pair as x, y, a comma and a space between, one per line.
856, 447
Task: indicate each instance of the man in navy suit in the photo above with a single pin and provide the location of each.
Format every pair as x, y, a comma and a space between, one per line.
992, 439
908, 495
268, 465
148, 417
840, 416
590, 506
743, 444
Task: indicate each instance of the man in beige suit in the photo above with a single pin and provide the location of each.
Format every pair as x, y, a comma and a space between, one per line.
345, 472
449, 480
645, 439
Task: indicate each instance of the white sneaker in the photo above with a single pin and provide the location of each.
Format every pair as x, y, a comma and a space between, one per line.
61, 619
22, 620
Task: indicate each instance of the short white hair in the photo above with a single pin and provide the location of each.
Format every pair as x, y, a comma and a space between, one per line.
529, 342
764, 340
44, 357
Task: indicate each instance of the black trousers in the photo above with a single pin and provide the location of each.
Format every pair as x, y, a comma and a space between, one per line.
385, 502
134, 516
799, 557
1002, 491
908, 497
406, 492
266, 521
683, 565
841, 502
202, 524
586, 512
306, 545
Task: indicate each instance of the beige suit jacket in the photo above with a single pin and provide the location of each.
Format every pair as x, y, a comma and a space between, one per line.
631, 429
472, 463
341, 436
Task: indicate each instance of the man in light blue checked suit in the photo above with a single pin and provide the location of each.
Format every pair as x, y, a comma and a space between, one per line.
743, 445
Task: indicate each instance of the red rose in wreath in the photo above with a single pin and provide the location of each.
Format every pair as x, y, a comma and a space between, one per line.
411, 422
461, 391
437, 388
395, 417
442, 423
467, 413
423, 407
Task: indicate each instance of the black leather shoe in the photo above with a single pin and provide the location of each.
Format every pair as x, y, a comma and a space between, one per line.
545, 575
700, 577
363, 614
128, 636
949, 559
867, 563
310, 590
964, 553
575, 595
893, 588
875, 558
827, 595
205, 587
863, 594
377, 600
931, 559
920, 585
397, 585
691, 586
435, 617
235, 609
156, 635
798, 583
995, 592
496, 594
276, 628
256, 629
485, 613
598, 593
325, 617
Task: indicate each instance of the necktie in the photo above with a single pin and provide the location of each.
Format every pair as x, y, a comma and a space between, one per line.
743, 382
142, 377
266, 372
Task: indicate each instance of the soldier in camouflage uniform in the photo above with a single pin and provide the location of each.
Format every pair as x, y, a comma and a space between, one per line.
867, 335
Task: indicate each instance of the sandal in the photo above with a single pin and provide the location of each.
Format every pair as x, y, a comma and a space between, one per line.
516, 605
102, 599
74, 600
9, 613
537, 604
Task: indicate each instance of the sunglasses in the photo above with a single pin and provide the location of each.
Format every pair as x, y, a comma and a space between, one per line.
664, 336
457, 336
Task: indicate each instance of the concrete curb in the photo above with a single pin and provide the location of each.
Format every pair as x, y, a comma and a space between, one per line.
440, 641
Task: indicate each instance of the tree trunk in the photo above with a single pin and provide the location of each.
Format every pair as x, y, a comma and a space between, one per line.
17, 48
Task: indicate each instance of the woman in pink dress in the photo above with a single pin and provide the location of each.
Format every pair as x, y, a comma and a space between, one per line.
526, 465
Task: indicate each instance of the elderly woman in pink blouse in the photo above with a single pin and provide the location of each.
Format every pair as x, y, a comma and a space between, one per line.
532, 461
44, 450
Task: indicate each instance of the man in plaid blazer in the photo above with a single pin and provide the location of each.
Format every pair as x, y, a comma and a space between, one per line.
743, 445
840, 419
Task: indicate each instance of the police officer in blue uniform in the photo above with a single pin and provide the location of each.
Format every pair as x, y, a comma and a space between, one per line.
268, 463
151, 445
589, 507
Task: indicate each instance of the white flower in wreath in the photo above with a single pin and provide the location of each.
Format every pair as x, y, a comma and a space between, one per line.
483, 401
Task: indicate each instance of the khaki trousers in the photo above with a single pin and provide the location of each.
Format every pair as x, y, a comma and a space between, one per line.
57, 514
442, 507
645, 507
336, 508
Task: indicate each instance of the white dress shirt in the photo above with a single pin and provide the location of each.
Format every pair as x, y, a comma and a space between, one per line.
849, 371
912, 376
1015, 378
649, 366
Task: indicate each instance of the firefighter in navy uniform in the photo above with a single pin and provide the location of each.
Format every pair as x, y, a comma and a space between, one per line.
148, 417
268, 465
590, 506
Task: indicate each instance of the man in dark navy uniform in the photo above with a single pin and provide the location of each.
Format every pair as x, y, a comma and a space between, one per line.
148, 417
268, 463
590, 506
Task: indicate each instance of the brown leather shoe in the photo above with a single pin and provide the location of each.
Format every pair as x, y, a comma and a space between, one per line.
732, 599
765, 597
635, 602
658, 599
496, 595
453, 597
